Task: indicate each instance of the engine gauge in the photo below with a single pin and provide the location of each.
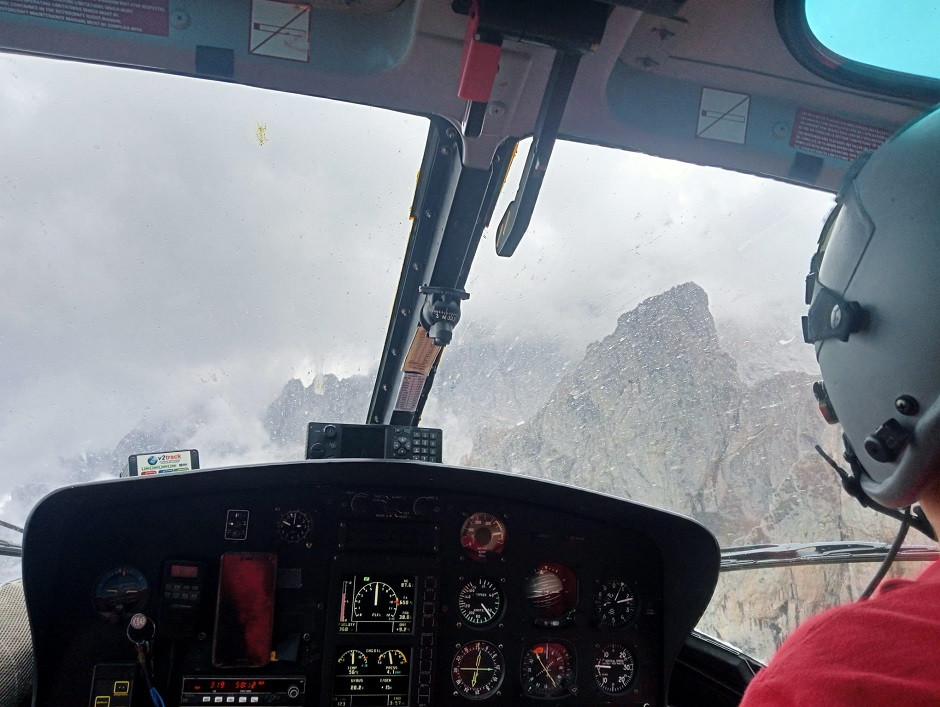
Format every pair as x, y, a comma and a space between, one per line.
615, 603
353, 661
551, 590
548, 670
393, 659
483, 536
120, 592
376, 601
480, 602
477, 670
614, 668
293, 526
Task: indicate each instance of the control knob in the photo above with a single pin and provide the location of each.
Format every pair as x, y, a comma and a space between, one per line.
420, 506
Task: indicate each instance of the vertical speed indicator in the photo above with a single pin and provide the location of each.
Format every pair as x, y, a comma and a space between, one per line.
614, 669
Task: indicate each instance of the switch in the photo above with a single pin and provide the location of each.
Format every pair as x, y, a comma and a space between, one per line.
236, 525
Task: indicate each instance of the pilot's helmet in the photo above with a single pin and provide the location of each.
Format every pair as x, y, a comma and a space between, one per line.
874, 317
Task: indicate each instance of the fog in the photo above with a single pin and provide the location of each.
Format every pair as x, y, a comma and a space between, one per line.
170, 245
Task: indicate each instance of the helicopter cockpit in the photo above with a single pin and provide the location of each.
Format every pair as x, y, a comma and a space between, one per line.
376, 564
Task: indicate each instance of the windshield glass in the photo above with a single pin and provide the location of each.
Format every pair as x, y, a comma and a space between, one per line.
173, 253
644, 341
196, 265
900, 35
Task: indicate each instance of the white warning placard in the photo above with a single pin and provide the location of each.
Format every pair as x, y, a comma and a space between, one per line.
412, 385
722, 115
280, 29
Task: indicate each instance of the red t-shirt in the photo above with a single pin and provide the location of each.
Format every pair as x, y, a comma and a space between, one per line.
884, 651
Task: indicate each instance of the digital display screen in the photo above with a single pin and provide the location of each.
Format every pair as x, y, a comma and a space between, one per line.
184, 571
244, 686
244, 618
256, 690
365, 441
371, 677
377, 604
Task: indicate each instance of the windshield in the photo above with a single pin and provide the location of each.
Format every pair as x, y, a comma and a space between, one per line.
175, 252
202, 265
898, 36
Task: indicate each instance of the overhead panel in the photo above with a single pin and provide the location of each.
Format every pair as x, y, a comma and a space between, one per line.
703, 89
357, 7
345, 38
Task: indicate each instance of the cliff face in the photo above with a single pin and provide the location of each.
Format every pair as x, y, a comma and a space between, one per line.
327, 398
658, 413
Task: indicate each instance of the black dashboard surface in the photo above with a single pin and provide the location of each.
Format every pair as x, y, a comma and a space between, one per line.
356, 583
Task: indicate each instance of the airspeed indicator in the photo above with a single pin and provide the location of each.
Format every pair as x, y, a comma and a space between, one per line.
480, 602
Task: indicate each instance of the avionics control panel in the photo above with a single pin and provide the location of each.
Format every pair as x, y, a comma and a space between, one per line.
333, 440
359, 584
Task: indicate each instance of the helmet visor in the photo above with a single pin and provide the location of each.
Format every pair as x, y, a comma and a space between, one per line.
849, 232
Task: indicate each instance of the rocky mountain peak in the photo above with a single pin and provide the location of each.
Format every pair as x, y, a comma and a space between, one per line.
670, 337
683, 304
657, 412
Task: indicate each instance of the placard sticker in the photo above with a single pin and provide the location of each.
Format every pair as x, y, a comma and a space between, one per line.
422, 355
412, 385
723, 115
280, 30
834, 136
144, 17
164, 463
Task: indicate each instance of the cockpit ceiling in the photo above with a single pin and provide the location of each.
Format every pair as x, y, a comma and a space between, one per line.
357, 7
715, 85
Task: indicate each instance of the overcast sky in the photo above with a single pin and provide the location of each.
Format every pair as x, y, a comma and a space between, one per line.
166, 242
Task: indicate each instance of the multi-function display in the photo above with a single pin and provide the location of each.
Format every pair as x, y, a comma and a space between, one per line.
371, 677
376, 604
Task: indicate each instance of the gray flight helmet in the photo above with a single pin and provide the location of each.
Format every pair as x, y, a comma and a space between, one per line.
874, 318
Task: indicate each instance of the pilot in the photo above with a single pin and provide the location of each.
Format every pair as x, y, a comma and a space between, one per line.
874, 319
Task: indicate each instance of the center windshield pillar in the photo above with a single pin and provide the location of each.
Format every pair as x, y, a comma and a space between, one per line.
453, 204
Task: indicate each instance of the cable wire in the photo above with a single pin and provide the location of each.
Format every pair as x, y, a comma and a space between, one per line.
889, 558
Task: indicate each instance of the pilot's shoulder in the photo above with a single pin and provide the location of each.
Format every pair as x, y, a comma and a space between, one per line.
881, 651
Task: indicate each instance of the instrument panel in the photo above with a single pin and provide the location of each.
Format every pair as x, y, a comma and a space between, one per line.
358, 584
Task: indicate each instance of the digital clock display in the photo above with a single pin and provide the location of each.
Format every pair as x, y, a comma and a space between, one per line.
196, 689
210, 685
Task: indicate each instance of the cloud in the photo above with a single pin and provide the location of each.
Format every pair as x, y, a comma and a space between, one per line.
157, 257
612, 228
